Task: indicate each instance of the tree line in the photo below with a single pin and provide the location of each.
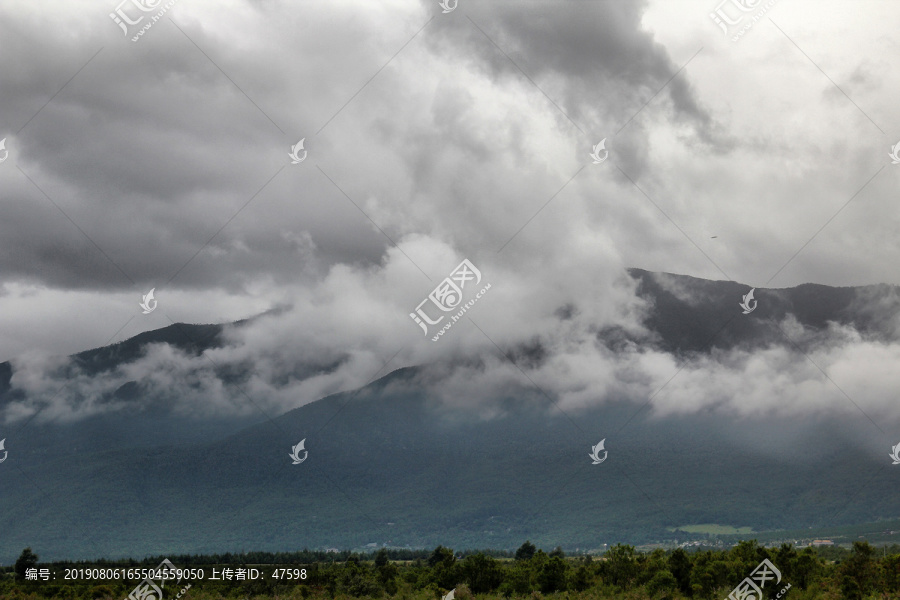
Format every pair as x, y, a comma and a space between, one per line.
855, 574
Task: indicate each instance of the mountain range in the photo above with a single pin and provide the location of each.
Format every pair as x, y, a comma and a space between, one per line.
391, 464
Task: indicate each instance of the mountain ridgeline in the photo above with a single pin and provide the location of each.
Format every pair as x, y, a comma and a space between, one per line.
688, 314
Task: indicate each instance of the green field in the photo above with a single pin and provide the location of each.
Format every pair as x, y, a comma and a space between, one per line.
714, 529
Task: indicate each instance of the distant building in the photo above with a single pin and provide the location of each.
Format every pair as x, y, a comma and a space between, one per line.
822, 543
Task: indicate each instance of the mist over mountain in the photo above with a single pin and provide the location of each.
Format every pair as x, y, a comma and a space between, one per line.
115, 463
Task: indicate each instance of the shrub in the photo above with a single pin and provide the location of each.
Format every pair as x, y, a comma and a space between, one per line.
663, 582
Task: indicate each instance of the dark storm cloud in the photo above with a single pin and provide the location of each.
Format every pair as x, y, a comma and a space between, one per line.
595, 55
150, 149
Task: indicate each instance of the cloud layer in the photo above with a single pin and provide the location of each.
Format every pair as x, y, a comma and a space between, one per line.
432, 138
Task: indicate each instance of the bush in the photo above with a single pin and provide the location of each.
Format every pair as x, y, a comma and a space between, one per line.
381, 559
581, 580
27, 560
482, 573
440, 555
664, 582
526, 551
463, 592
552, 577
519, 579
355, 580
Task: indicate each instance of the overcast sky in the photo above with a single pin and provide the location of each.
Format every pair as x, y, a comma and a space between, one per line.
434, 137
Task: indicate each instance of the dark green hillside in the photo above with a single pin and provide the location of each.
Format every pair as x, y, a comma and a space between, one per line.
394, 467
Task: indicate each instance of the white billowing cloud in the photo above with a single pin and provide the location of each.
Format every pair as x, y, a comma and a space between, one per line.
841, 375
296, 355
453, 153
